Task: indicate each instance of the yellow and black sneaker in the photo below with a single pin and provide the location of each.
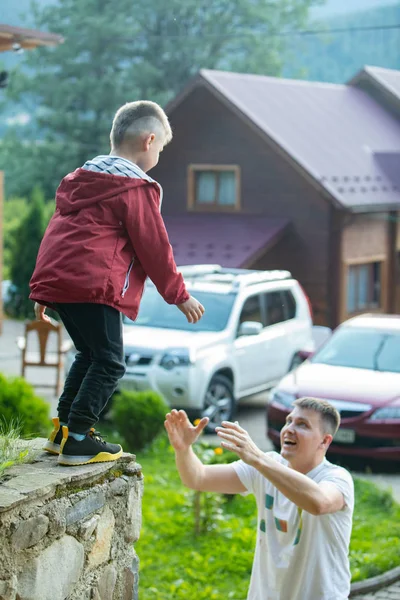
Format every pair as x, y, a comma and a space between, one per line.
54, 442
92, 449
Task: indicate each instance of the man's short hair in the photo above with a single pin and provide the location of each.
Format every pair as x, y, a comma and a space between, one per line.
135, 119
330, 417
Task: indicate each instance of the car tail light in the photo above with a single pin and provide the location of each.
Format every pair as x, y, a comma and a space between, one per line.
310, 308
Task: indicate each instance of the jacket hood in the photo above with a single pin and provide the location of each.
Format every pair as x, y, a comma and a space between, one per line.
82, 188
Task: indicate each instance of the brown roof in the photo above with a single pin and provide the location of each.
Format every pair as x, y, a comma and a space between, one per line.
330, 132
244, 239
26, 38
387, 81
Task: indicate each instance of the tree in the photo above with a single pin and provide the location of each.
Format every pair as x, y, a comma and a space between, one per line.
117, 52
24, 252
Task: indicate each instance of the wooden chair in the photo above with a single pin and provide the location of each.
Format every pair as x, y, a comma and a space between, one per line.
46, 359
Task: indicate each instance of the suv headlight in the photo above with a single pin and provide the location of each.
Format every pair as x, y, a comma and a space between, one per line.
284, 398
388, 412
176, 357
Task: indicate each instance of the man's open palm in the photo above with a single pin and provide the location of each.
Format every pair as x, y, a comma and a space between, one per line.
182, 434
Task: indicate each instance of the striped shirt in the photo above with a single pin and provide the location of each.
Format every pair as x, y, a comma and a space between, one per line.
116, 165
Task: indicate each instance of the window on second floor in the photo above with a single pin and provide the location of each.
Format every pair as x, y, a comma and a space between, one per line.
364, 287
214, 187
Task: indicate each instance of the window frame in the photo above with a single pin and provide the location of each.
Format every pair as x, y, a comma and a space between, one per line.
261, 302
371, 307
193, 205
281, 293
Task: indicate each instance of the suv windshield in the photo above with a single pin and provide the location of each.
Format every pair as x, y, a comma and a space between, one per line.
155, 312
362, 349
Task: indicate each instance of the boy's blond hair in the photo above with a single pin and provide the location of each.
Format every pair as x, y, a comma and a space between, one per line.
330, 416
135, 119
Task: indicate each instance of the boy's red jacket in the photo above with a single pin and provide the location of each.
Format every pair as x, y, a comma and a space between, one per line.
105, 237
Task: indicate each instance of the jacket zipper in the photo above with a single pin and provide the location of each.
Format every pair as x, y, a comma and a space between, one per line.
126, 282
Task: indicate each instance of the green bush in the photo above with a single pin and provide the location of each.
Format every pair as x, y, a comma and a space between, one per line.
19, 404
139, 417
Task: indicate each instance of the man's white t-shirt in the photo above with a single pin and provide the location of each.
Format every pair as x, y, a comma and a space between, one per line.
299, 556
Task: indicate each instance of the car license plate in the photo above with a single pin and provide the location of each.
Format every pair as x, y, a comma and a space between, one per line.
345, 436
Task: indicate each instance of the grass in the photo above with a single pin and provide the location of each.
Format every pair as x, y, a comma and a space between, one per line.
176, 564
14, 450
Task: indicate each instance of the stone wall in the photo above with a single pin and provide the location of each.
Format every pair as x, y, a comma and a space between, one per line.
68, 533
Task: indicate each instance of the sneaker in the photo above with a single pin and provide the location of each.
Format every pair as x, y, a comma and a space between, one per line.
54, 442
92, 449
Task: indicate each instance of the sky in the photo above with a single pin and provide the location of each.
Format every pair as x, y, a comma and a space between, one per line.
328, 9
340, 7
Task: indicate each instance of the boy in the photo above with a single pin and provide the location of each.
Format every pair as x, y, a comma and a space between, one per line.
305, 503
105, 237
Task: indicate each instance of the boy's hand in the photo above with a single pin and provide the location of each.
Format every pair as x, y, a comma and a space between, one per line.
192, 309
182, 434
40, 312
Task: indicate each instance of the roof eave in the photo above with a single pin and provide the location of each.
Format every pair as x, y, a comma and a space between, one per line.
367, 76
26, 38
250, 260
362, 208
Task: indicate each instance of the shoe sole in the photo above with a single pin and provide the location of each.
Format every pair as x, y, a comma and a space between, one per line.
51, 447
73, 461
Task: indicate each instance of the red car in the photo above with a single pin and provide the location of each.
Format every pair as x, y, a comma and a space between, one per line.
358, 371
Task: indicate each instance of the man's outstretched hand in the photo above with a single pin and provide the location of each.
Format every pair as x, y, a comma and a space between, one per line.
236, 439
192, 309
182, 434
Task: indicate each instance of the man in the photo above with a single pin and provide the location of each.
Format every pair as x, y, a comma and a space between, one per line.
305, 503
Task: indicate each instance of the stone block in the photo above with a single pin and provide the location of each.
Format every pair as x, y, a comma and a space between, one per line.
100, 552
9, 498
54, 573
107, 581
85, 507
129, 585
134, 514
88, 527
56, 511
132, 468
30, 532
118, 487
7, 590
33, 485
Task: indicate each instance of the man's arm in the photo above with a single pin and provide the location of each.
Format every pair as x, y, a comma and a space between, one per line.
317, 499
204, 478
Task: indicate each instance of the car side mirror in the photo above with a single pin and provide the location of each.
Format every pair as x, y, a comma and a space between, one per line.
250, 328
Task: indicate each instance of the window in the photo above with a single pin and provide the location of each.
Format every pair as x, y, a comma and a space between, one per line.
154, 312
364, 287
251, 310
276, 309
360, 348
291, 307
214, 187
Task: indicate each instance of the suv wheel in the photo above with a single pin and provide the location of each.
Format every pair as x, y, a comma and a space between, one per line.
219, 402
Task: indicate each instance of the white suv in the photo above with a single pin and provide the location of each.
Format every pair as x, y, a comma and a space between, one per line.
255, 325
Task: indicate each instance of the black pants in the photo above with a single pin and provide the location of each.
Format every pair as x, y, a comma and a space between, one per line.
96, 330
